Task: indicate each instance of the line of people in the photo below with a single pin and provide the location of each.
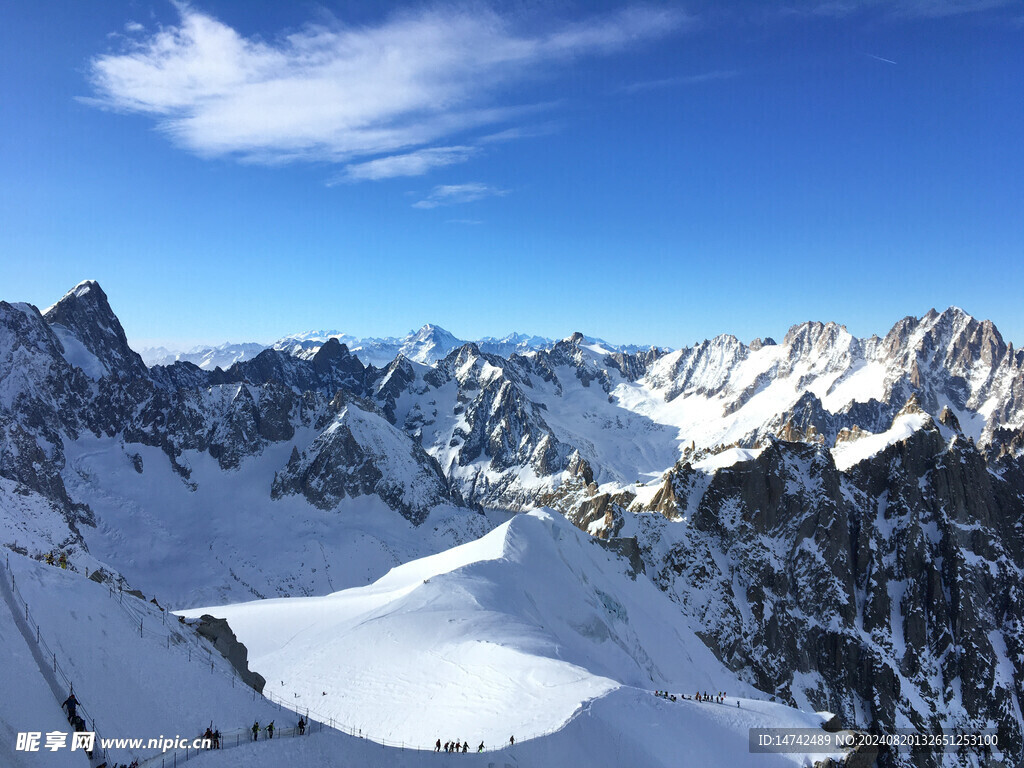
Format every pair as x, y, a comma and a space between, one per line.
456, 747
269, 729
70, 706
717, 698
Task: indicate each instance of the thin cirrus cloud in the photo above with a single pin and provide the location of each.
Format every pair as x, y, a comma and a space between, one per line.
410, 164
386, 100
455, 194
669, 82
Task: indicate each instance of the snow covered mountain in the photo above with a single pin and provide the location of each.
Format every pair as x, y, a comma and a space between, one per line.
222, 356
428, 345
838, 519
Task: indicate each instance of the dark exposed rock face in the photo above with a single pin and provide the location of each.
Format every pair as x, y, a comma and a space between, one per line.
891, 594
86, 314
219, 633
360, 453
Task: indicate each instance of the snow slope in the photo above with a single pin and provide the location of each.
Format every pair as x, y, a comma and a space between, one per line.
205, 540
162, 680
32, 707
533, 628
625, 727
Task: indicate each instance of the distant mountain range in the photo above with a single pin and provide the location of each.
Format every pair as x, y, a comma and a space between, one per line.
427, 345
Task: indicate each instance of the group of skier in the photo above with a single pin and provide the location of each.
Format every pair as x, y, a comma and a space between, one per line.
61, 561
256, 730
454, 746
463, 747
717, 698
269, 730
213, 736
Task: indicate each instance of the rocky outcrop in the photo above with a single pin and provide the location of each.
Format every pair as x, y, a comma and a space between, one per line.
218, 632
359, 454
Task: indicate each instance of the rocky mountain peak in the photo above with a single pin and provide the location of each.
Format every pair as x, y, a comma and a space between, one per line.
760, 343
913, 405
947, 417
91, 333
334, 355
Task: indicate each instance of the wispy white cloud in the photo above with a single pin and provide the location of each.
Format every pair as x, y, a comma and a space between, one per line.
669, 82
454, 194
519, 132
410, 164
343, 93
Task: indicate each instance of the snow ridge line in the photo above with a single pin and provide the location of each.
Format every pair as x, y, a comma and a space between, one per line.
35, 645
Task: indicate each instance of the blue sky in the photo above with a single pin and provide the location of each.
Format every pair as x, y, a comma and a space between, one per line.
650, 173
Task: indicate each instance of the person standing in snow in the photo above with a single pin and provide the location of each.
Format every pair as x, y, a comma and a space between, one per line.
216, 739
511, 741
437, 746
256, 731
465, 747
302, 726
71, 705
481, 747
270, 729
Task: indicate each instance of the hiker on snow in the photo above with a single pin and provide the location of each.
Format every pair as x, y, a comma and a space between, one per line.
481, 747
256, 731
71, 705
437, 746
270, 729
302, 726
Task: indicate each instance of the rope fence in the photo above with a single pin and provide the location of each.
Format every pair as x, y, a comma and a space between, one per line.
50, 657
